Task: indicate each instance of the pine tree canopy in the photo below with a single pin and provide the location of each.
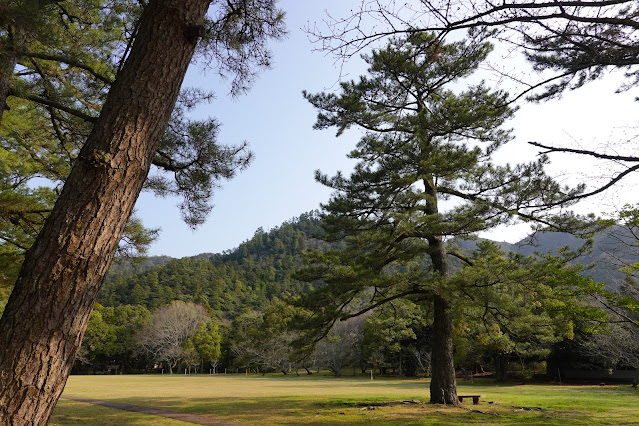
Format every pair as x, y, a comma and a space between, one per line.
424, 174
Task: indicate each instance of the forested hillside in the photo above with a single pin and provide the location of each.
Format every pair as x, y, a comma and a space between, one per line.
231, 283
249, 276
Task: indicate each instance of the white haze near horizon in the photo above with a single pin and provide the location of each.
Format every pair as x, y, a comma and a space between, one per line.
277, 122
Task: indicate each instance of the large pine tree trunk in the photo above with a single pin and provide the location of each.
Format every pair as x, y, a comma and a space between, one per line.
443, 386
47, 313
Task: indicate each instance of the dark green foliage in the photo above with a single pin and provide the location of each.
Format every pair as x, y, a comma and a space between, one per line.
511, 305
424, 175
237, 281
233, 42
263, 340
109, 339
204, 344
397, 336
536, 297
56, 58
191, 162
424, 144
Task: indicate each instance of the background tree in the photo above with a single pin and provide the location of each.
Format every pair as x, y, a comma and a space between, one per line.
110, 337
205, 343
516, 307
231, 283
100, 339
618, 347
63, 270
341, 347
263, 341
622, 244
423, 144
394, 334
168, 330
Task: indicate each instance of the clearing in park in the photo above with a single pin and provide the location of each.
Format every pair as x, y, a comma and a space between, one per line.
287, 400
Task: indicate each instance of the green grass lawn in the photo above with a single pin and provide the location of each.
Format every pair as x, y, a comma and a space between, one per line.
321, 399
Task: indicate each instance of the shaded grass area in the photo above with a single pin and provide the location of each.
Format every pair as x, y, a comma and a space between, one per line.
78, 413
321, 400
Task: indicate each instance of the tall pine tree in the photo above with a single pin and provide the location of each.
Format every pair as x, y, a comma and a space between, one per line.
424, 174
60, 278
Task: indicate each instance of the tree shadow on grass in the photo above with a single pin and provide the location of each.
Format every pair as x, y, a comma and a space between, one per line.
79, 413
293, 411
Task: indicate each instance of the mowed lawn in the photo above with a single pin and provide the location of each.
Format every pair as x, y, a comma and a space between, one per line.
319, 399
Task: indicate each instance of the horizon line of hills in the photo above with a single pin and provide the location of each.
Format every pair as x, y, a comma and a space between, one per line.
246, 278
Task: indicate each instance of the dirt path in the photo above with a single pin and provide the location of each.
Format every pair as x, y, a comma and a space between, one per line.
191, 418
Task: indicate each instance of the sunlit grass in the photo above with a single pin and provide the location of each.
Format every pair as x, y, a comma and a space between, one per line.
319, 399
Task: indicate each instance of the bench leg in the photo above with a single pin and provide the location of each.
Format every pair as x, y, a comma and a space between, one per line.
475, 400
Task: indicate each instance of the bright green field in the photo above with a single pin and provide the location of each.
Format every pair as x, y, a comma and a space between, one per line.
320, 399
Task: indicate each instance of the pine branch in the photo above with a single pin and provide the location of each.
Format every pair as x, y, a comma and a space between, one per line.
53, 104
72, 62
613, 309
585, 152
382, 302
460, 256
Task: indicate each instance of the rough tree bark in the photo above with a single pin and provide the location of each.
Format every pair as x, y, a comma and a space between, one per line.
47, 313
443, 385
8, 60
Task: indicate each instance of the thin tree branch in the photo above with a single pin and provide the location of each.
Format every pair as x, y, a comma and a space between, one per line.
55, 105
72, 62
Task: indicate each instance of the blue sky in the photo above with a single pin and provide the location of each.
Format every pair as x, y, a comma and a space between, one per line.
277, 122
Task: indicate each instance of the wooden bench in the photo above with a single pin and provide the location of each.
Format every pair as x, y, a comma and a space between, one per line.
474, 397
